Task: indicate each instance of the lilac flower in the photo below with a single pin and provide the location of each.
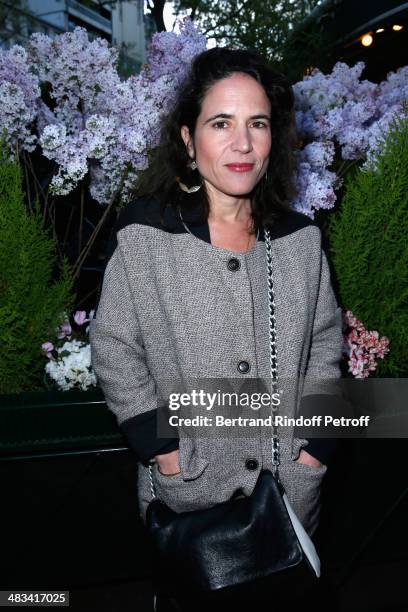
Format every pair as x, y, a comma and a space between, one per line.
315, 184
352, 114
14, 69
78, 69
315, 189
101, 124
19, 92
393, 91
318, 154
53, 137
169, 52
342, 108
377, 133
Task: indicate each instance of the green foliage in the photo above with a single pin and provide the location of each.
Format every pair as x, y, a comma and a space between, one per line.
31, 304
264, 25
368, 237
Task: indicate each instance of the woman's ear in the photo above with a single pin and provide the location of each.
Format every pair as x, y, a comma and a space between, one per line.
188, 141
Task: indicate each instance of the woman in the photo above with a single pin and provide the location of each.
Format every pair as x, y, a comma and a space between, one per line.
185, 293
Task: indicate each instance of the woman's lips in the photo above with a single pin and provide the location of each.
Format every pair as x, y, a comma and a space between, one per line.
240, 167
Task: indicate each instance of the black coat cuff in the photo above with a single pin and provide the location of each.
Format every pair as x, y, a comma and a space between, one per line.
140, 432
322, 449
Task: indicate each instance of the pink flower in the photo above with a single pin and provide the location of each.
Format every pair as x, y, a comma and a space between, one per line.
361, 347
47, 347
80, 317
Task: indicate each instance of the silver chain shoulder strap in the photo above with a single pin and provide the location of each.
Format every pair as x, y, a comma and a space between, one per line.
273, 365
273, 358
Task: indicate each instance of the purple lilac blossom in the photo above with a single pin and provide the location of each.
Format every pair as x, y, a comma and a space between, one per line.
314, 183
353, 114
19, 94
118, 122
105, 126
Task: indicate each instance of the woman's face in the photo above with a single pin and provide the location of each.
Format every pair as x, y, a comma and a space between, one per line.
232, 138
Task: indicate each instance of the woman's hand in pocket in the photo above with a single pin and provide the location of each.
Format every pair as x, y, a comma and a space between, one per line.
308, 459
169, 463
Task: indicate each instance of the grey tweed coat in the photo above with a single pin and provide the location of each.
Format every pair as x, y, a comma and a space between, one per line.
174, 307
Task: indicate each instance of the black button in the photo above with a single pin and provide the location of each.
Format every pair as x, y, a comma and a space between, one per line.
243, 367
233, 264
251, 464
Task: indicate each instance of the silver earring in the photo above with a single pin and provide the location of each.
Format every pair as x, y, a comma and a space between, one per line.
184, 187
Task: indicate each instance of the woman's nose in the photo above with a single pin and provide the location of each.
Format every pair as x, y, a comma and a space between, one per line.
242, 140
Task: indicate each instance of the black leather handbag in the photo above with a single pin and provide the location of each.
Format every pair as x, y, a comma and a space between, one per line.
239, 542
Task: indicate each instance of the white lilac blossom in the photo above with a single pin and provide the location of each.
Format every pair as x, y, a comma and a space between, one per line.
71, 368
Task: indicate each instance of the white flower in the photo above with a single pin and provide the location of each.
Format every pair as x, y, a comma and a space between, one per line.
53, 136
72, 367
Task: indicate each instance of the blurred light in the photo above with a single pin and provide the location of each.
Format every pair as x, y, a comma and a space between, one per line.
379, 30
308, 70
397, 28
367, 40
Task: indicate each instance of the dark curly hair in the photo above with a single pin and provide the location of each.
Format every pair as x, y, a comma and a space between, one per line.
271, 196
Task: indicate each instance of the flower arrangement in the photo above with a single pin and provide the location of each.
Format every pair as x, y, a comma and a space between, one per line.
92, 122
338, 113
69, 357
361, 348
63, 98
369, 254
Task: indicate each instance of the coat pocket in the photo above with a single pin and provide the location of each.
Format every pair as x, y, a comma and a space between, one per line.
188, 490
303, 487
192, 464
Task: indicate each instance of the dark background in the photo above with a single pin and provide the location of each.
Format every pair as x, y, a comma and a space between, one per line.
72, 523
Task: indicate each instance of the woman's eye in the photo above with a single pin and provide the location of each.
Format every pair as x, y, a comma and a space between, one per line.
259, 124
